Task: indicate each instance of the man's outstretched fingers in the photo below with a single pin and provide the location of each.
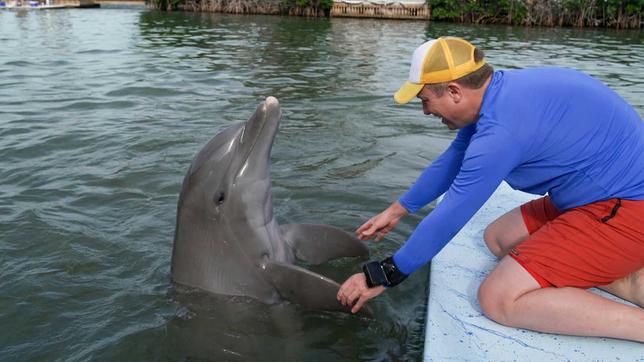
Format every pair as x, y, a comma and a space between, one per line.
383, 232
355, 294
362, 230
368, 224
341, 295
351, 289
355, 289
363, 299
365, 295
374, 233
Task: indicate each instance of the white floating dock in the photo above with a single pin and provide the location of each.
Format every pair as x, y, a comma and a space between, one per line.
456, 330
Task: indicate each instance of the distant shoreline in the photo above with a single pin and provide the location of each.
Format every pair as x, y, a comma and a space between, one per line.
616, 14
133, 2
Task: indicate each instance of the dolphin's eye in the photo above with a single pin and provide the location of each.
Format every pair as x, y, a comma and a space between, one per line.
219, 200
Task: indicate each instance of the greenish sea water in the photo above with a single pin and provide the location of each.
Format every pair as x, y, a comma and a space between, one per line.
102, 111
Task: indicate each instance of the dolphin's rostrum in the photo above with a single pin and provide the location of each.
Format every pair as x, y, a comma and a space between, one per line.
227, 240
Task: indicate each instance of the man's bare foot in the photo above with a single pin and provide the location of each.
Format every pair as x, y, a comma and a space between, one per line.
630, 288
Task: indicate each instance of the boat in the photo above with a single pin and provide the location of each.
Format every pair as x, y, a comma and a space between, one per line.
46, 4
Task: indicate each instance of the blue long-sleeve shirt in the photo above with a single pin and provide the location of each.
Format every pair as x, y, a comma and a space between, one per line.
544, 130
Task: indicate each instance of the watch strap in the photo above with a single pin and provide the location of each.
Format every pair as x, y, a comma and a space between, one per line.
383, 272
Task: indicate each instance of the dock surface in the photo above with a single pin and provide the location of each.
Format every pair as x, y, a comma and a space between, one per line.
457, 331
400, 9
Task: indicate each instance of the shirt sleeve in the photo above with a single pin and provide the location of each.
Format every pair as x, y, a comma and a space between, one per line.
490, 157
440, 174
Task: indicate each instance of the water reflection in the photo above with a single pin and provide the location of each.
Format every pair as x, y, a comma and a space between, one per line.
240, 329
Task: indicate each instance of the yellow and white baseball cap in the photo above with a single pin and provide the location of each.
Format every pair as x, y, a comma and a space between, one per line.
437, 61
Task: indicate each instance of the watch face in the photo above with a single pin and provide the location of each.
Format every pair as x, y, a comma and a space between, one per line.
375, 274
393, 275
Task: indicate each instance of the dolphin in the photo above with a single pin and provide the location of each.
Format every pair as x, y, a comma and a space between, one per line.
227, 240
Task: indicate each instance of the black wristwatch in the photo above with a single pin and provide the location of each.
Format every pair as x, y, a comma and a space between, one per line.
383, 273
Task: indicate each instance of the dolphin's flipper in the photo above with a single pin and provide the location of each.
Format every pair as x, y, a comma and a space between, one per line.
311, 290
318, 243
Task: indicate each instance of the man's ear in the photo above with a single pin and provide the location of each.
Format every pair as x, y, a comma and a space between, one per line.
455, 91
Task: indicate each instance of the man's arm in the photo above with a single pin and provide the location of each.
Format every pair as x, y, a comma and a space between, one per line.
488, 160
381, 224
433, 182
438, 176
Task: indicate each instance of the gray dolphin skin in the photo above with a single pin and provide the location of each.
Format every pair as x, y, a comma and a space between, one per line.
227, 240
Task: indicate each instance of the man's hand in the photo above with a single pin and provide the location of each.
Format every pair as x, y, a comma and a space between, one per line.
381, 224
356, 288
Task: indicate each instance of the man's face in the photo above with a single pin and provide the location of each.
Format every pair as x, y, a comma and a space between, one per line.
450, 107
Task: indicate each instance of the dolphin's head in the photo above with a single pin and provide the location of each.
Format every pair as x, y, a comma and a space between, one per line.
232, 170
225, 224
227, 240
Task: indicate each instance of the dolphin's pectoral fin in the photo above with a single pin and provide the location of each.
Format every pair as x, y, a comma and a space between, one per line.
318, 243
296, 284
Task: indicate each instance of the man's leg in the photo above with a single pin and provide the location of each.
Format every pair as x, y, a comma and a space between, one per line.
510, 230
629, 288
511, 296
506, 232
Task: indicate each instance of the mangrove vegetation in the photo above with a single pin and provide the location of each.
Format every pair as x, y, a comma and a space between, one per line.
578, 13
315, 8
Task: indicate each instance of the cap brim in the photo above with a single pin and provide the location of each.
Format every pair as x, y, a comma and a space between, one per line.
407, 92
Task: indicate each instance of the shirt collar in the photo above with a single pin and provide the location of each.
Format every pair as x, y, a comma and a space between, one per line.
491, 92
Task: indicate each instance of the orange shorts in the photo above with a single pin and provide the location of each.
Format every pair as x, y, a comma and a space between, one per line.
583, 247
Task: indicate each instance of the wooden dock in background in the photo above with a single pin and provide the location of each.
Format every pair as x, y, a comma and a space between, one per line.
75, 3
378, 9
21, 5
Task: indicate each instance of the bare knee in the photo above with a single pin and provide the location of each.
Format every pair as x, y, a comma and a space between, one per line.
493, 241
505, 233
493, 304
500, 293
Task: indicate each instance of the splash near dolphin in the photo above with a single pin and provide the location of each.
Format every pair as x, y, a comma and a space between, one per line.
227, 240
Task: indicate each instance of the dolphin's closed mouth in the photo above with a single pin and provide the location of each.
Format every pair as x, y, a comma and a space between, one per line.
242, 168
259, 121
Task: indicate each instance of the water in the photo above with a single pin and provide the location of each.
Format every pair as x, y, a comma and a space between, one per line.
101, 112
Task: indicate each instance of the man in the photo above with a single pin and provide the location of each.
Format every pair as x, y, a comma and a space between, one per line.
544, 131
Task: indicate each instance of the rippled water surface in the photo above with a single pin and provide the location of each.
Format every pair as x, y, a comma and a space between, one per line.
102, 111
